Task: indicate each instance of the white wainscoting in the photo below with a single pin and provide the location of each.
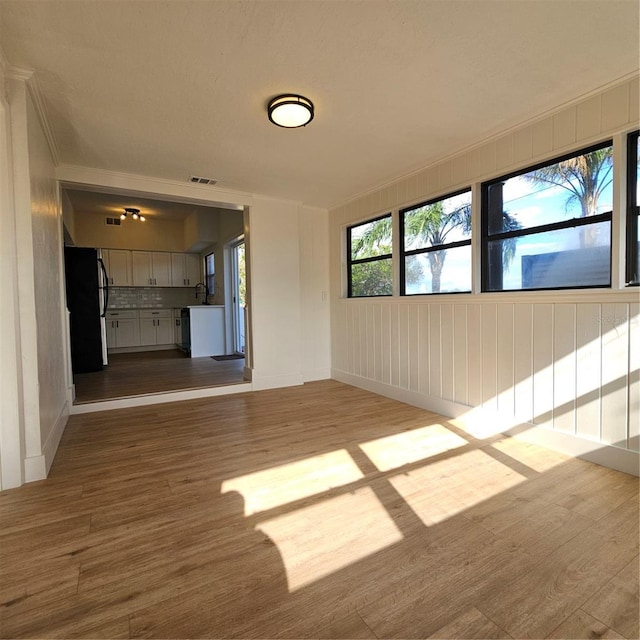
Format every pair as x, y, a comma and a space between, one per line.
569, 366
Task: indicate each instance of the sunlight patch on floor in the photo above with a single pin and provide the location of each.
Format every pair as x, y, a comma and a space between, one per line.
287, 483
403, 448
531, 455
321, 539
445, 488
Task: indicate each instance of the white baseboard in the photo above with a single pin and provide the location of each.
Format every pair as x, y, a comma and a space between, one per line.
316, 374
37, 467
142, 349
276, 382
53, 441
160, 398
571, 445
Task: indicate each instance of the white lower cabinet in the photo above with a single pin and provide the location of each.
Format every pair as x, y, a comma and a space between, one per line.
142, 328
122, 329
156, 327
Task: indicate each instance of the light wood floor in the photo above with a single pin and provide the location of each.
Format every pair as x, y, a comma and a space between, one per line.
132, 374
319, 511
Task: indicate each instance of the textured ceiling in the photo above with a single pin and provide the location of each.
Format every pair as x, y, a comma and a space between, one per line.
173, 88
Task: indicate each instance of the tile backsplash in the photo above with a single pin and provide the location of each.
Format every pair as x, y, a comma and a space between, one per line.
151, 297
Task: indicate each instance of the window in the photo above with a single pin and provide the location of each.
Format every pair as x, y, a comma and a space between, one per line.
436, 251
209, 272
369, 258
549, 227
633, 211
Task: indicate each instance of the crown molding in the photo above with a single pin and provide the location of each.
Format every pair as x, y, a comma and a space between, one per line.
13, 72
43, 115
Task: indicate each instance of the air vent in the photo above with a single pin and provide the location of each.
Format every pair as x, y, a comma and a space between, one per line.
113, 222
200, 180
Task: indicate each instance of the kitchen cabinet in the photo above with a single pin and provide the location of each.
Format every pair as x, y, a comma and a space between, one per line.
156, 327
118, 265
151, 268
185, 269
194, 268
177, 327
122, 329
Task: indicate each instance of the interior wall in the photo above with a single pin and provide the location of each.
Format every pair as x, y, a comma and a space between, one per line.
90, 230
41, 346
46, 221
274, 266
560, 360
230, 226
314, 293
11, 392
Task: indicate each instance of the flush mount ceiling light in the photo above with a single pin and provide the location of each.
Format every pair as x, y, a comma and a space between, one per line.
290, 111
134, 213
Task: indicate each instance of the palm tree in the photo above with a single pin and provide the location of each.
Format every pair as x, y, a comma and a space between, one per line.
430, 226
585, 177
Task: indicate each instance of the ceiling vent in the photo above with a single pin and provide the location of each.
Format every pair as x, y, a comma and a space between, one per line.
113, 222
200, 180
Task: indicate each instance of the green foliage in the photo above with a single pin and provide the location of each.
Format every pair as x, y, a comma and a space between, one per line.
375, 241
585, 177
372, 278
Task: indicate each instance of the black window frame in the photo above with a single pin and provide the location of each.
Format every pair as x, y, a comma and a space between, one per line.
554, 226
633, 212
351, 262
440, 247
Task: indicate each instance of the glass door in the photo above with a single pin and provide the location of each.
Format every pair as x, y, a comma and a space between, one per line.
239, 293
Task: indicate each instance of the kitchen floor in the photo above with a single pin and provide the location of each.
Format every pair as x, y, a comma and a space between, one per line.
133, 374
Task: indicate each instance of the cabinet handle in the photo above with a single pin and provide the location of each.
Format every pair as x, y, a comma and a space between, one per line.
177, 322
117, 323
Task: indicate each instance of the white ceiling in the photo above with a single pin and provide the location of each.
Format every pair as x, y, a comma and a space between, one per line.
173, 88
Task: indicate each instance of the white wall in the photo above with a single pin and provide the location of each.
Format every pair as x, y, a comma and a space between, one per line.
11, 392
274, 268
48, 275
563, 361
314, 293
35, 318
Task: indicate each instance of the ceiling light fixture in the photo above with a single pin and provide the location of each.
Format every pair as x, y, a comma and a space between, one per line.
290, 111
134, 213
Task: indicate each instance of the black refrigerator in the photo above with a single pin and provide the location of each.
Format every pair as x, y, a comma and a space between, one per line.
87, 298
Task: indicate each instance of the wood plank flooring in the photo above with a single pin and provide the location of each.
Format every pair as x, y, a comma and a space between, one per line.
133, 374
320, 511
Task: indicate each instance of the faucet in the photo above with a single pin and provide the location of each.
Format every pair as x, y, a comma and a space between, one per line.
206, 291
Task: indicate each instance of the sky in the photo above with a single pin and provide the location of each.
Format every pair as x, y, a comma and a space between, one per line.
531, 205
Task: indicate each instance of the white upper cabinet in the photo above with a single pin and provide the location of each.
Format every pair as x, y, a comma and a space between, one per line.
178, 270
194, 270
118, 265
161, 269
152, 268
185, 269
142, 270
